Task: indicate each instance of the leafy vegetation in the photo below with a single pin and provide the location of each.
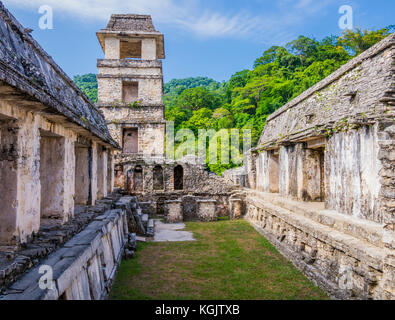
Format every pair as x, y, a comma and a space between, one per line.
229, 260
88, 84
250, 96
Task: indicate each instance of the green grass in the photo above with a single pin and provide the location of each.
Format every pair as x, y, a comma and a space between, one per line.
229, 261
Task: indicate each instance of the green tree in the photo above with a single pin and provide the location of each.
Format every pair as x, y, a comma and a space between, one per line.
360, 40
198, 98
87, 84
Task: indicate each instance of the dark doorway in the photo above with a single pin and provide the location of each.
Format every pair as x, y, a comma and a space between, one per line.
130, 140
179, 178
160, 206
189, 208
135, 180
158, 178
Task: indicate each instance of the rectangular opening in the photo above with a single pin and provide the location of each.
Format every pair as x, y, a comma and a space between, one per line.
82, 176
52, 175
130, 92
274, 172
130, 49
130, 140
314, 175
8, 181
321, 152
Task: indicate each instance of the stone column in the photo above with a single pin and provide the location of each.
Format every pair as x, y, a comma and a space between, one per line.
93, 173
105, 172
206, 210
250, 164
69, 179
173, 211
9, 181
283, 171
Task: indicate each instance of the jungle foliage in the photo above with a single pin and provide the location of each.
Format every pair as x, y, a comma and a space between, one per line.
250, 96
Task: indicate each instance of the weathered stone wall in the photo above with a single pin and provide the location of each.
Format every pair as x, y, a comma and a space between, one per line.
30, 71
352, 174
110, 89
361, 88
195, 177
43, 117
27, 140
173, 211
332, 147
84, 268
151, 135
348, 257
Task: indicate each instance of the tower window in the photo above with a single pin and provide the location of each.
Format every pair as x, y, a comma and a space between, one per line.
130, 49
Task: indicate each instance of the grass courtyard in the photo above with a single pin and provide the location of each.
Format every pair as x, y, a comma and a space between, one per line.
229, 261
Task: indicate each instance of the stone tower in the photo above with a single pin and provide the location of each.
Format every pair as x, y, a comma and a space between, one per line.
130, 81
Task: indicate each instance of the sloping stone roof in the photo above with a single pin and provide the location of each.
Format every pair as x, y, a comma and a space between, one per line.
33, 75
131, 22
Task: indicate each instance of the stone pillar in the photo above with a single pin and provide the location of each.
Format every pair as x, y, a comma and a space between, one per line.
93, 173
261, 174
206, 210
69, 179
173, 211
148, 49
250, 164
112, 48
283, 171
236, 208
8, 181
105, 172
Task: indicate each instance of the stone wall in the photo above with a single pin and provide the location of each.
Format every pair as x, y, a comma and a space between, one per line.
349, 258
44, 119
361, 89
30, 71
324, 185
84, 268
197, 182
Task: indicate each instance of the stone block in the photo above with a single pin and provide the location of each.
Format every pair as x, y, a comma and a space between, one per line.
207, 210
236, 208
173, 211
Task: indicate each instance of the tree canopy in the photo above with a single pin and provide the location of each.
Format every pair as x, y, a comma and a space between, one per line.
250, 96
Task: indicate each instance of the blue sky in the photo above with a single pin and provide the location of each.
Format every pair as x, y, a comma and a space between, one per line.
213, 38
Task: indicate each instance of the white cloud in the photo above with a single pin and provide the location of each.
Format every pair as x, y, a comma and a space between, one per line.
189, 15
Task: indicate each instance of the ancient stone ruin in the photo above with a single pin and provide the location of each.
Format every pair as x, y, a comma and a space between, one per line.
319, 186
130, 94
